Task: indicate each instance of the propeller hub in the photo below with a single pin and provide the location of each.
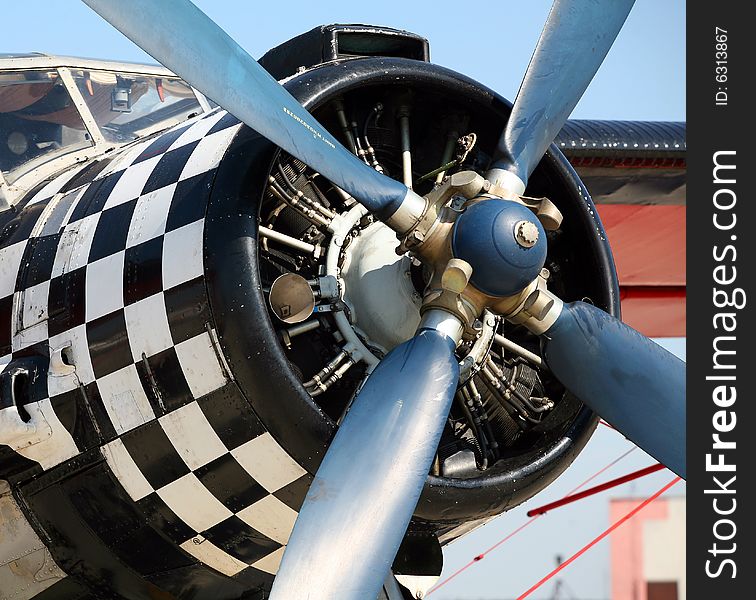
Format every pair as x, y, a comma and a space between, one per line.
503, 243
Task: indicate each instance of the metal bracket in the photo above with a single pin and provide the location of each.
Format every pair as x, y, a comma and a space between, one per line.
468, 184
540, 309
470, 364
546, 211
449, 297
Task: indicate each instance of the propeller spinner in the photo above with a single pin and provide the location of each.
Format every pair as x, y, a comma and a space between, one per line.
489, 256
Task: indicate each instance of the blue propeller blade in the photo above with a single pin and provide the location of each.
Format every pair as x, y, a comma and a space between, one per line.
632, 382
574, 42
184, 39
359, 505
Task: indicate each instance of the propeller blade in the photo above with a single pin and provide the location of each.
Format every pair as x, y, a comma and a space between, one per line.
359, 505
184, 39
574, 42
632, 382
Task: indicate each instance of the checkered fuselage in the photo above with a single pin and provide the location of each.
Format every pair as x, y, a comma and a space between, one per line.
123, 431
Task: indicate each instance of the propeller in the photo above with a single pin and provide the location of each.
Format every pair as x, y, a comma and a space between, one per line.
629, 380
632, 382
361, 500
363, 496
181, 37
574, 42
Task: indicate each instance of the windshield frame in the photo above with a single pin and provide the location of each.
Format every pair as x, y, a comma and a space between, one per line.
19, 171
15, 183
165, 123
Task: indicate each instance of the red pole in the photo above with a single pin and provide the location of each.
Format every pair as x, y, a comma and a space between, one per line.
596, 489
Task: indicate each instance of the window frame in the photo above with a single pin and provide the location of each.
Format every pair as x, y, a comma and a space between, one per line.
12, 190
38, 164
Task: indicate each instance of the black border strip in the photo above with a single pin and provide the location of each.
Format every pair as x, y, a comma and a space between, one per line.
719, 553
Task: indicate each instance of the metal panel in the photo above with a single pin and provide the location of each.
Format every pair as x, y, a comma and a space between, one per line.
26, 565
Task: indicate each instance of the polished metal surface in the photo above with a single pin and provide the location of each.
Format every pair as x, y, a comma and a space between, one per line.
507, 184
443, 322
377, 287
363, 496
408, 213
291, 298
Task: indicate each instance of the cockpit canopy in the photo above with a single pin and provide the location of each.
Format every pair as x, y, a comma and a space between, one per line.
52, 107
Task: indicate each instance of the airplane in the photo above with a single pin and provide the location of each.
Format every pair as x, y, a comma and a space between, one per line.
285, 328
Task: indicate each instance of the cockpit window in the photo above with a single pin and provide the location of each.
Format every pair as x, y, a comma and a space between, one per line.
37, 119
125, 105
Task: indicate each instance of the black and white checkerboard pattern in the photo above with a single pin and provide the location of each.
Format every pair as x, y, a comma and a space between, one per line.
107, 271
225, 492
98, 275
30, 439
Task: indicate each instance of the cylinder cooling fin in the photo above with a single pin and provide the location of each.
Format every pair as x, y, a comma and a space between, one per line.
324, 294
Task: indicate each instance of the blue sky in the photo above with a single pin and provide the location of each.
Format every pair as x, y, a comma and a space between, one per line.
642, 78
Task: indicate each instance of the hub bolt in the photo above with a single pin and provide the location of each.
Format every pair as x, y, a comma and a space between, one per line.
526, 234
